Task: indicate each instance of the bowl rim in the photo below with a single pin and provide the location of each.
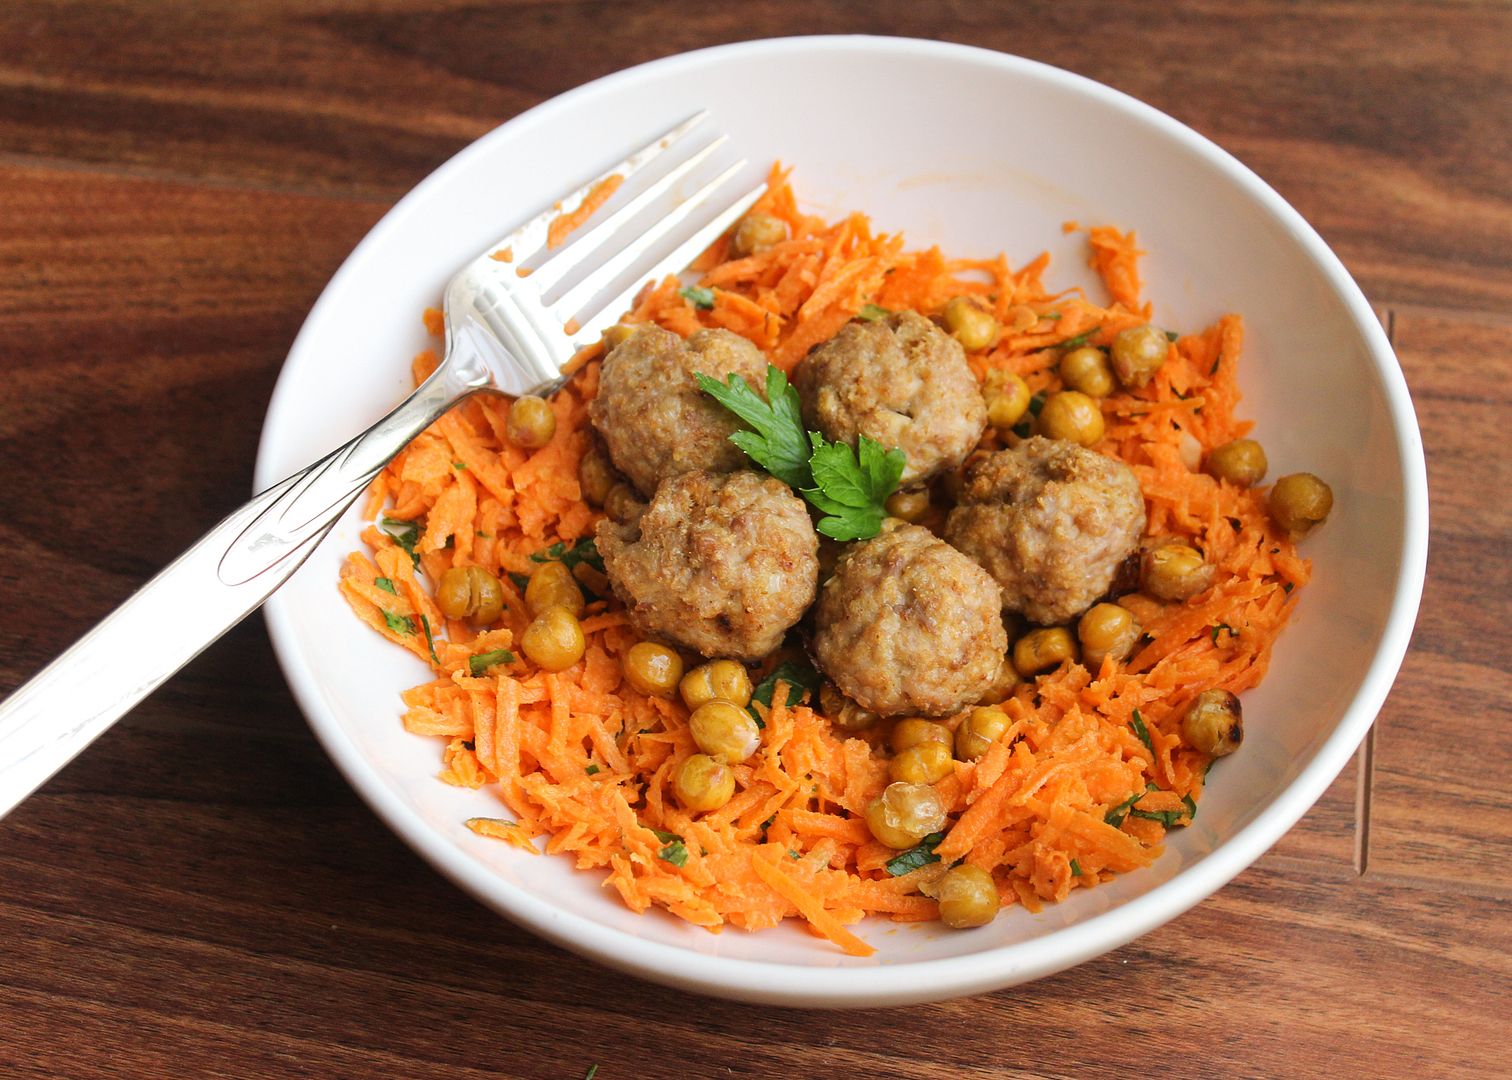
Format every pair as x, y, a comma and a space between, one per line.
913, 981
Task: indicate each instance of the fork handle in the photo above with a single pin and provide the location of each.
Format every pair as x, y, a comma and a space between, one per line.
226, 575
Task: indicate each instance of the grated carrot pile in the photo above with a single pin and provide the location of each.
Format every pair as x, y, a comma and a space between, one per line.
1093, 768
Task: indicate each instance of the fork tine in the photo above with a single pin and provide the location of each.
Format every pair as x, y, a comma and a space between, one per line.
592, 326
574, 301
531, 236
551, 273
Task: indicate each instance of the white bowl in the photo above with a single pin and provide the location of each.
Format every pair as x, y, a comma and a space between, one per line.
979, 152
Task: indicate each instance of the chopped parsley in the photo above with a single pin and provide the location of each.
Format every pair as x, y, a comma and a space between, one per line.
1080, 339
521, 580
386, 584
480, 664
592, 1072
461, 466
1115, 817
801, 680
405, 533
698, 296
582, 551
674, 850
1172, 335
915, 857
849, 485
1142, 731
1224, 626
872, 312
1076, 870
592, 770
399, 624
430, 641
664, 836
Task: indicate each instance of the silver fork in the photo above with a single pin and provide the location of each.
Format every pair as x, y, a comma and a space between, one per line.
502, 335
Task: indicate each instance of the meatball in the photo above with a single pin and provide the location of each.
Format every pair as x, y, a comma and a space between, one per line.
901, 381
655, 420
723, 563
909, 625
1050, 521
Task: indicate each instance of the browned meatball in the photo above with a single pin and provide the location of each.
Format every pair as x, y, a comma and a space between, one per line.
909, 625
901, 381
655, 420
1052, 522
723, 563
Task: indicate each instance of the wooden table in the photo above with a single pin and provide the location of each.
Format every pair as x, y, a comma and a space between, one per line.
202, 895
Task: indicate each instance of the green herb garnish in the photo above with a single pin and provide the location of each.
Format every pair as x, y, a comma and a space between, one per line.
404, 532
872, 312
915, 857
1172, 335
1115, 817
521, 581
582, 551
399, 624
664, 836
430, 641
698, 296
1168, 818
675, 853
386, 584
460, 466
480, 664
777, 441
1076, 870
801, 680
1224, 626
1036, 404
1142, 731
592, 1072
592, 770
1080, 339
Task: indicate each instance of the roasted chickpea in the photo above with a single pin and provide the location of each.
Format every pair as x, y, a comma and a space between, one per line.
913, 731
1239, 462
970, 323
554, 640
1214, 723
1002, 686
926, 763
1007, 397
757, 232
1174, 571
653, 669
1042, 649
842, 711
968, 897
1299, 502
1073, 416
703, 783
623, 503
470, 592
530, 423
1086, 370
904, 814
718, 680
909, 504
596, 476
1106, 630
725, 731
552, 585
617, 335
980, 729
1137, 354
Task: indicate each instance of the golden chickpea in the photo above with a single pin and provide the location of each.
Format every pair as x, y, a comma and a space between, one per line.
554, 640
1137, 354
1002, 686
1174, 571
530, 423
913, 731
757, 232
1299, 502
1086, 370
1073, 416
623, 503
909, 504
596, 476
552, 585
904, 814
1007, 396
718, 680
617, 335
978, 731
1240, 462
653, 669
725, 731
701, 783
1214, 723
968, 897
1042, 649
970, 323
926, 763
1106, 630
842, 712
470, 592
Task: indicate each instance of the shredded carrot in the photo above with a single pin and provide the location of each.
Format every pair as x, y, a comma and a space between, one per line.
564, 224
1093, 771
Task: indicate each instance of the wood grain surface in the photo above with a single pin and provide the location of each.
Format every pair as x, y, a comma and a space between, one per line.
201, 894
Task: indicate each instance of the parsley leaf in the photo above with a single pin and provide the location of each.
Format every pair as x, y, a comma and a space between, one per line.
1080, 339
521, 580
1168, 818
915, 857
851, 486
480, 664
399, 624
1115, 817
1172, 335
386, 584
872, 312
664, 836
1224, 626
592, 1072
1142, 731
592, 770
801, 680
430, 641
406, 534
582, 551
675, 853
1076, 870
699, 297
777, 441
